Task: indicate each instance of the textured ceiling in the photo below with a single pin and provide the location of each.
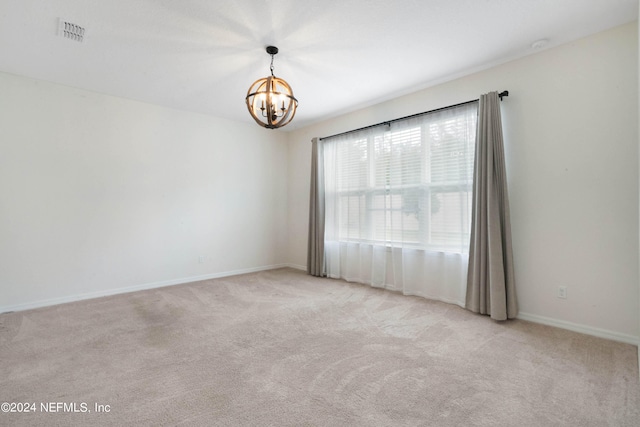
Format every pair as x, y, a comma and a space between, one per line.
338, 55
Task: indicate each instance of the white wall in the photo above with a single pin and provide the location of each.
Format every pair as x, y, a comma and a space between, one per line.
571, 136
99, 193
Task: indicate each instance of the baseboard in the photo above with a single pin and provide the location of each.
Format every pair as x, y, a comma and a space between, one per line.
601, 333
589, 330
297, 266
142, 287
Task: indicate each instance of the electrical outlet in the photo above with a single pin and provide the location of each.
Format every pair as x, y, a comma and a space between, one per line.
562, 292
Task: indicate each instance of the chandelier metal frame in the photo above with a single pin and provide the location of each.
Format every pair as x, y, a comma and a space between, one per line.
270, 99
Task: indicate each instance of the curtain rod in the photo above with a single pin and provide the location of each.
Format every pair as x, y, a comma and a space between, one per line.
388, 122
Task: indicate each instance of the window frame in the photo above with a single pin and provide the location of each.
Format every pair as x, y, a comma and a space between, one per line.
426, 186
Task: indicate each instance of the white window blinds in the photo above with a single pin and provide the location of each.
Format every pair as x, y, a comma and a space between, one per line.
404, 184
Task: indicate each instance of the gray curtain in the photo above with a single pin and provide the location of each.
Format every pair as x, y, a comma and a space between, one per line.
490, 280
315, 250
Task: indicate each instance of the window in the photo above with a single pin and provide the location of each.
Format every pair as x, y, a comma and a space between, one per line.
408, 183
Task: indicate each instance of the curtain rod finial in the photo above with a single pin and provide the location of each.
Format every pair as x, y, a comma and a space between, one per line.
503, 94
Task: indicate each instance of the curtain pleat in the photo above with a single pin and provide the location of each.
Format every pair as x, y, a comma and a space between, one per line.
315, 250
490, 277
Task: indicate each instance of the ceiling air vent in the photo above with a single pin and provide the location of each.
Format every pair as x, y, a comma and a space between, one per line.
71, 31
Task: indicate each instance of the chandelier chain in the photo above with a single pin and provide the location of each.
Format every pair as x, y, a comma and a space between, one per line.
272, 55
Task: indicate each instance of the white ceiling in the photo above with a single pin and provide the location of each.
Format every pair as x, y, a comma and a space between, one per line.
338, 55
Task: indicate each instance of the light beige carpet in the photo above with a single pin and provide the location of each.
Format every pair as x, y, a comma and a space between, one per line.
280, 348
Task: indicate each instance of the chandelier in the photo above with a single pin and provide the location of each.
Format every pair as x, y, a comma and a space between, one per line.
270, 100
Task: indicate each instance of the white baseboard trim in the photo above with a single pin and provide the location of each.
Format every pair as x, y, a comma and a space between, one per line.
127, 289
589, 330
297, 266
